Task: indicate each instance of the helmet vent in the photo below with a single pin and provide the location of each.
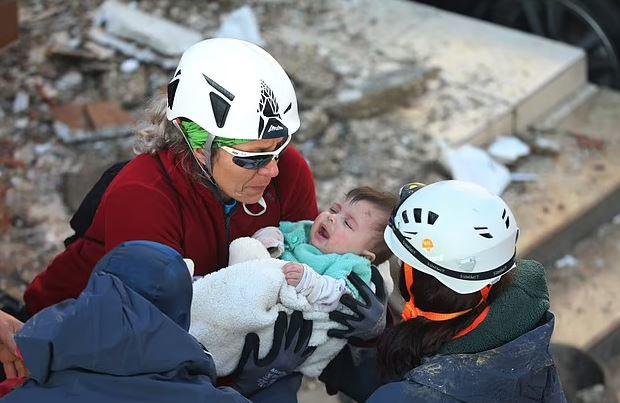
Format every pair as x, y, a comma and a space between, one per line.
504, 214
288, 108
220, 109
432, 217
507, 222
417, 215
172, 89
221, 89
410, 233
484, 234
405, 217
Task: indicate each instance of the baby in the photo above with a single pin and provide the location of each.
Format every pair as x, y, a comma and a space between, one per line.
310, 276
346, 238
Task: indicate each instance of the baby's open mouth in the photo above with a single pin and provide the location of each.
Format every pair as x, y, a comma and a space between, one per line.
323, 232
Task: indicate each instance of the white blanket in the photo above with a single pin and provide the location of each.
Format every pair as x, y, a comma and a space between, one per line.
246, 297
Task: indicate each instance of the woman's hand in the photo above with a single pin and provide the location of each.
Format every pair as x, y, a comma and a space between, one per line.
289, 350
13, 365
368, 319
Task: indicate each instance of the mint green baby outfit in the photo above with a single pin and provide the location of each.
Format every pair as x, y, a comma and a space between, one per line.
297, 248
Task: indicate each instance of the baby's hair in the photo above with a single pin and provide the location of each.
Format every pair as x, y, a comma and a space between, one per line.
383, 201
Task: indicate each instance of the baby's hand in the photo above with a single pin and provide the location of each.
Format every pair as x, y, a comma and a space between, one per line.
293, 272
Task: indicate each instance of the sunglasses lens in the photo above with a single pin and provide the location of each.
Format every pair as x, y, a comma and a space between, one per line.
256, 162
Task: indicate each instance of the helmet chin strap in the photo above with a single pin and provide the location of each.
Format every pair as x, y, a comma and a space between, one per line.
209, 176
262, 203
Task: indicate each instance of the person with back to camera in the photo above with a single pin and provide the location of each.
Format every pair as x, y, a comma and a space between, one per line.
476, 325
213, 166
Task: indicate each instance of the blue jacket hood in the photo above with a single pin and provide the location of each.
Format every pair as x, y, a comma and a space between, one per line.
123, 339
156, 272
132, 318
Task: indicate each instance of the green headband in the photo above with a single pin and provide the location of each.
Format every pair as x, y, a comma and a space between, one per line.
197, 137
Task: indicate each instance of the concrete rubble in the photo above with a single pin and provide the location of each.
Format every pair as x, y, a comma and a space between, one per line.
78, 81
160, 34
241, 24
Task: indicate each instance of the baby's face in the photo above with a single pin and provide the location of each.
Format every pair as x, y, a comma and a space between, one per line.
347, 227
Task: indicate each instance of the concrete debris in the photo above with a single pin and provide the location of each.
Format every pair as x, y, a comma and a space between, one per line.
544, 145
129, 49
589, 143
523, 177
21, 123
91, 122
71, 53
616, 220
472, 164
379, 94
69, 81
315, 121
508, 149
161, 35
21, 102
241, 24
310, 70
130, 66
566, 262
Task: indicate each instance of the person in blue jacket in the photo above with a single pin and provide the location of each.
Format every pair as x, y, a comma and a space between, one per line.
476, 325
125, 339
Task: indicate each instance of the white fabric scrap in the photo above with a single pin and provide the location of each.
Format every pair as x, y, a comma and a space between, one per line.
508, 149
472, 164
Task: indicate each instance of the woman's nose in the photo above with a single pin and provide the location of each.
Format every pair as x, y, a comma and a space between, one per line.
271, 170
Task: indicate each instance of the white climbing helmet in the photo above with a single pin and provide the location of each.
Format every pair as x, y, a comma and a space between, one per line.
455, 231
233, 89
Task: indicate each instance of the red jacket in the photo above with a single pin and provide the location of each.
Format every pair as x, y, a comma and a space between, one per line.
142, 203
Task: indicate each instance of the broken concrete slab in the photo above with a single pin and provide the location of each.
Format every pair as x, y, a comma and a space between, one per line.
131, 50
91, 122
457, 115
314, 78
380, 94
577, 189
159, 34
108, 116
511, 78
241, 24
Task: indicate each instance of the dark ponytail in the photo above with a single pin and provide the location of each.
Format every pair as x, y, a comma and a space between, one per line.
401, 347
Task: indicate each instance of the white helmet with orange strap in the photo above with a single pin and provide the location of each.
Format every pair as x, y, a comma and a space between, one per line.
455, 231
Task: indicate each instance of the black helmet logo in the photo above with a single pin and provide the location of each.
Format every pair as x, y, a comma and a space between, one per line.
270, 124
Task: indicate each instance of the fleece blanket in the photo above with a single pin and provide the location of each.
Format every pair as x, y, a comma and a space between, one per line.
246, 297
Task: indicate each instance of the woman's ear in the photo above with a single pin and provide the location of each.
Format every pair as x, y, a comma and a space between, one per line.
368, 255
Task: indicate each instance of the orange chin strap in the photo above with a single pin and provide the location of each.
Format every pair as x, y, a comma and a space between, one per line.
411, 311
